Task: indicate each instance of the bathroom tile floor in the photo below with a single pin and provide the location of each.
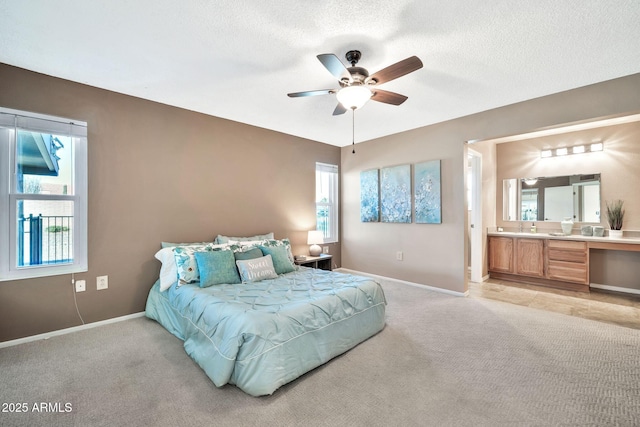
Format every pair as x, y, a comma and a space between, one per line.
612, 307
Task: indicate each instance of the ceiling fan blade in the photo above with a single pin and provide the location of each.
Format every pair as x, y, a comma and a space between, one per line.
339, 110
396, 70
311, 93
388, 97
335, 66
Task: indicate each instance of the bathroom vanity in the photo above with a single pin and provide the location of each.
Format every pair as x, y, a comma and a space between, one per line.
548, 260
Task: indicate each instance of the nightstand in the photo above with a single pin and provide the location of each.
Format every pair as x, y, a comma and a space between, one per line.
323, 262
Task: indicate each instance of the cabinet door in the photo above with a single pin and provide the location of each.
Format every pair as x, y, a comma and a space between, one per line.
501, 254
530, 257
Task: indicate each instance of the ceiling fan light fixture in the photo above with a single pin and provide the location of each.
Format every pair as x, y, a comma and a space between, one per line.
354, 97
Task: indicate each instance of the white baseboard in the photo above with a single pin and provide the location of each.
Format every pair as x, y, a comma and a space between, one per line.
404, 282
48, 335
615, 288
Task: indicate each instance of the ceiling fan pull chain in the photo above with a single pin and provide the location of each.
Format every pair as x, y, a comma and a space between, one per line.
353, 131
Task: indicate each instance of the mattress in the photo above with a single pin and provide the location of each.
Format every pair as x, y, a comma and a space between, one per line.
262, 335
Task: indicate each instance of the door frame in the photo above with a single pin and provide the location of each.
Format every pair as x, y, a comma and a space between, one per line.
475, 227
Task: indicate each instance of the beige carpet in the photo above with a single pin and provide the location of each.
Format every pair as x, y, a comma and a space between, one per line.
441, 361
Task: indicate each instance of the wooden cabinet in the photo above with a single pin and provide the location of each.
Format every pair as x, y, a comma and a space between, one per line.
568, 261
551, 262
530, 257
501, 254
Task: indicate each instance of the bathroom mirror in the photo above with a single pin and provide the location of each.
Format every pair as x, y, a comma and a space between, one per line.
552, 198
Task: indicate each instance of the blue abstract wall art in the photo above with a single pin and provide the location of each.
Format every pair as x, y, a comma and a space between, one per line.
395, 194
369, 196
426, 180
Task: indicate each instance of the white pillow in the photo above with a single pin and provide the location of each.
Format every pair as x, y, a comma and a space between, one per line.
266, 242
256, 269
168, 270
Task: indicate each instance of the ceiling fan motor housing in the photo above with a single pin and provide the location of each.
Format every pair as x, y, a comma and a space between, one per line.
358, 76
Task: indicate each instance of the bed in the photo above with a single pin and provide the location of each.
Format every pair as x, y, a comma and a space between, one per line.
260, 335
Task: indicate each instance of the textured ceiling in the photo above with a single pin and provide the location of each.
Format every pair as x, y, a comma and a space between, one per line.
239, 59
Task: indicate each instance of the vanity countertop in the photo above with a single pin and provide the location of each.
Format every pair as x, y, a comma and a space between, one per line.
576, 237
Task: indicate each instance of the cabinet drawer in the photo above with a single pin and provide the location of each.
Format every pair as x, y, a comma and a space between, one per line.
567, 244
567, 255
567, 271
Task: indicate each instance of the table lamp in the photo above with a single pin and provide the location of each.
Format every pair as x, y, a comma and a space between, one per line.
314, 239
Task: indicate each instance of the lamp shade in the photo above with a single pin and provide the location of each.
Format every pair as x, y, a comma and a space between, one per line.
353, 97
315, 237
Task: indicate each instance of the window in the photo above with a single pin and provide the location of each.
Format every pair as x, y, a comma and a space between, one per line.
327, 201
43, 195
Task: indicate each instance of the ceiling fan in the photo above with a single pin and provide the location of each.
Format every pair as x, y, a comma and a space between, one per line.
357, 86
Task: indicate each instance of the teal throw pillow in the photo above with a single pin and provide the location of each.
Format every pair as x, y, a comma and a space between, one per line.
280, 256
216, 268
248, 254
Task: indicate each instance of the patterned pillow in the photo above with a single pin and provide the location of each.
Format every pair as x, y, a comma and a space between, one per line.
173, 245
216, 267
186, 261
169, 269
226, 239
257, 269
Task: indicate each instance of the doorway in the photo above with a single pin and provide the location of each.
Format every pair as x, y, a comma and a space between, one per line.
475, 214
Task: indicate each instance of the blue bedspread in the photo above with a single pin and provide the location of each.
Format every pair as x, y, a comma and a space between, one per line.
262, 335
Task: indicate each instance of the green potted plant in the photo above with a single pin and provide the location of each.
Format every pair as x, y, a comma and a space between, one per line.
615, 215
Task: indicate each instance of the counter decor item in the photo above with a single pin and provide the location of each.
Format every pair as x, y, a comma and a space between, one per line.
586, 230
567, 225
615, 216
598, 231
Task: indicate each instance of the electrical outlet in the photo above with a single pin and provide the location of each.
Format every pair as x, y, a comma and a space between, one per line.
81, 285
399, 255
102, 282
325, 249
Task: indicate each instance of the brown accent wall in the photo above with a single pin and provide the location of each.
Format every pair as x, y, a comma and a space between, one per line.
436, 255
157, 173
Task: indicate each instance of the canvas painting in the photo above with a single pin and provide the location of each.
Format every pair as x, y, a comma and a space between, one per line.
369, 196
395, 194
427, 192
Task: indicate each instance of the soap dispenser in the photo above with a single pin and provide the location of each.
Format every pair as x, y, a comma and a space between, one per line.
533, 227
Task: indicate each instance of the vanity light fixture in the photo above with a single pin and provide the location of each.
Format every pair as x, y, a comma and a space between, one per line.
577, 149
530, 181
